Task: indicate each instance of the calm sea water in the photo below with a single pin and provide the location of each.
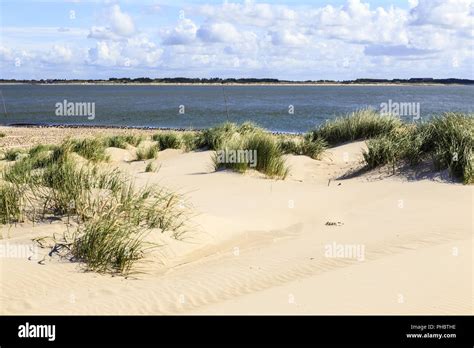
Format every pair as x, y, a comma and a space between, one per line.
204, 106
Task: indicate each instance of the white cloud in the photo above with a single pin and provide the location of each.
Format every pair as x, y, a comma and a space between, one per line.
446, 13
58, 54
218, 32
134, 52
289, 38
183, 33
119, 25
251, 38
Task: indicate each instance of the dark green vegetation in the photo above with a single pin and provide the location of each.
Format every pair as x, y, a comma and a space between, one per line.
247, 137
447, 140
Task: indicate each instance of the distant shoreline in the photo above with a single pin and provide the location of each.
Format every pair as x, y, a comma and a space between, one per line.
113, 127
294, 84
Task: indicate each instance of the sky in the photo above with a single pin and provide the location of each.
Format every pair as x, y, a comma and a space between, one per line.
284, 39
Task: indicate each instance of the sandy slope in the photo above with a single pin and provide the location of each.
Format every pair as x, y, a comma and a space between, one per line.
260, 246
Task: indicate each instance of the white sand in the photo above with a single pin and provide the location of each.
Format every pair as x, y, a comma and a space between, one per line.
259, 246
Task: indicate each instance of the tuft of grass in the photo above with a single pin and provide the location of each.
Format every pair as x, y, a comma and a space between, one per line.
118, 141
268, 153
121, 141
448, 139
451, 138
2, 135
361, 124
192, 141
12, 154
380, 151
297, 145
215, 137
313, 148
11, 201
35, 150
134, 140
113, 216
92, 149
109, 243
167, 140
145, 153
151, 168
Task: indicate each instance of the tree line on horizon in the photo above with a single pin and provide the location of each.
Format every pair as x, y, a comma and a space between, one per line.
216, 80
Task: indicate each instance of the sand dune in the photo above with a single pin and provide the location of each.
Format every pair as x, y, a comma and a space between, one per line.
261, 246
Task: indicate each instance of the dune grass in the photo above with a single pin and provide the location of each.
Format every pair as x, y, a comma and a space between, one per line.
252, 139
168, 140
361, 124
11, 200
191, 141
151, 168
121, 141
447, 139
2, 135
92, 149
302, 145
118, 141
112, 214
12, 154
108, 243
146, 153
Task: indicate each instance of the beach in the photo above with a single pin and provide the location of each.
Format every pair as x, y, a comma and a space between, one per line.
318, 242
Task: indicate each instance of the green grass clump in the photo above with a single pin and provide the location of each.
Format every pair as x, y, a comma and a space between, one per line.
215, 137
151, 168
109, 243
380, 151
192, 141
452, 139
167, 140
12, 154
298, 145
145, 153
448, 139
11, 200
118, 141
113, 216
2, 135
134, 140
361, 124
121, 141
35, 150
92, 149
269, 160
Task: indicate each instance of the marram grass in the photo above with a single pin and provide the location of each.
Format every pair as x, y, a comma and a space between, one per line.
447, 139
168, 140
113, 216
361, 124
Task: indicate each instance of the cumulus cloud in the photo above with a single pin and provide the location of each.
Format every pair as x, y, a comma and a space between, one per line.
218, 32
120, 25
58, 54
248, 38
446, 13
131, 53
183, 33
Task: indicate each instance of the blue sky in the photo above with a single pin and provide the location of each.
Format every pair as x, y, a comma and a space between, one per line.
286, 39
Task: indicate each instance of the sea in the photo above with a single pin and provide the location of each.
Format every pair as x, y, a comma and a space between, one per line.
278, 108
